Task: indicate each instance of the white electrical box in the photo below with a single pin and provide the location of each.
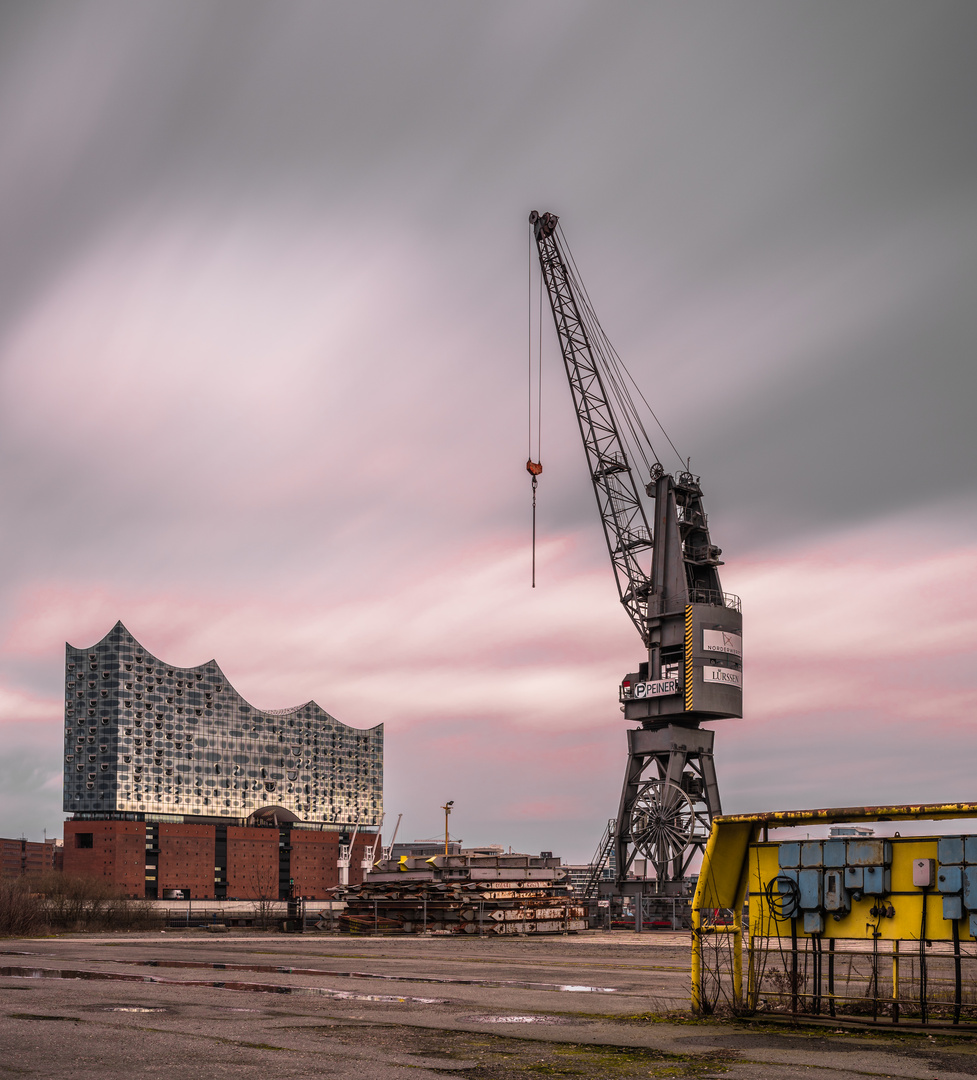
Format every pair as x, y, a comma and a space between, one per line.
924, 872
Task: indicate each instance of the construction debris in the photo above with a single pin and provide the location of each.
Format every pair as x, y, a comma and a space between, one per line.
465, 894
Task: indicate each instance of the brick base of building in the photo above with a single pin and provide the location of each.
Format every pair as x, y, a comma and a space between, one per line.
156, 860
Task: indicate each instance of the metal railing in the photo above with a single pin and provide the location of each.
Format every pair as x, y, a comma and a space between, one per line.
713, 597
600, 859
639, 536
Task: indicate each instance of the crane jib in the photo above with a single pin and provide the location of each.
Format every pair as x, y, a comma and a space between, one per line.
626, 529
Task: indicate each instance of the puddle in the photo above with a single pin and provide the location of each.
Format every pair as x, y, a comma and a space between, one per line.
324, 973
42, 1016
529, 1019
271, 969
259, 988
133, 1009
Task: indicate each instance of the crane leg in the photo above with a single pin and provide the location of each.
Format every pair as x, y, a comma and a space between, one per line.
668, 800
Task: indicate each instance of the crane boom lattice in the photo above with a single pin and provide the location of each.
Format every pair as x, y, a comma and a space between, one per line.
622, 513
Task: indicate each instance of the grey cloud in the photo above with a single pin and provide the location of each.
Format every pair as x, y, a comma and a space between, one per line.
688, 149
30, 791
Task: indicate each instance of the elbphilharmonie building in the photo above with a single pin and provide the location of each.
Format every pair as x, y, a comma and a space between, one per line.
144, 737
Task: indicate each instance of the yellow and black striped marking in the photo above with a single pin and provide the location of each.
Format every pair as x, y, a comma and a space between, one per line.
688, 658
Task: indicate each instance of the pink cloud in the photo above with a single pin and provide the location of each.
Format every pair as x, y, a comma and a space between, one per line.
17, 708
442, 655
557, 808
508, 695
847, 624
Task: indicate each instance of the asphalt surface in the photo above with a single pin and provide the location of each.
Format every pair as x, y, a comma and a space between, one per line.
186, 1005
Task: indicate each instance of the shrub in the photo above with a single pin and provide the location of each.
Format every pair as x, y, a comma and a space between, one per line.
20, 913
57, 901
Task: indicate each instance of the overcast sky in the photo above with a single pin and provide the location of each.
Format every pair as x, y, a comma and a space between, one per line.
263, 337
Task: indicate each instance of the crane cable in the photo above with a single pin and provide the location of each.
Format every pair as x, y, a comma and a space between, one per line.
617, 378
534, 468
613, 367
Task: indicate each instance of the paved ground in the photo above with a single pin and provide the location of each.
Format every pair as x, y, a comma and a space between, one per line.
597, 1005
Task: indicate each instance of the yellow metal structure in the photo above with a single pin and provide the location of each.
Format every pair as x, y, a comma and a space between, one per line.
905, 899
738, 860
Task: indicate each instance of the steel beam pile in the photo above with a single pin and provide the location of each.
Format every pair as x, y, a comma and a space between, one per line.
465, 894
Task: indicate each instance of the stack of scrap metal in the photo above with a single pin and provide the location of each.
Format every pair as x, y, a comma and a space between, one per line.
465, 894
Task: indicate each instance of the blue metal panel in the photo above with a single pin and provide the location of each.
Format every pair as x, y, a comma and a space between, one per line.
834, 853
876, 881
813, 922
869, 852
809, 883
970, 849
949, 849
973, 926
789, 855
835, 893
811, 853
854, 877
952, 907
949, 879
970, 888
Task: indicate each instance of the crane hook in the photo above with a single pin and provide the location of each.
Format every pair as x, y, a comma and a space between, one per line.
534, 468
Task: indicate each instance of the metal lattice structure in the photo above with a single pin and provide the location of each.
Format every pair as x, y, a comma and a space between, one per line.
663, 822
622, 513
668, 582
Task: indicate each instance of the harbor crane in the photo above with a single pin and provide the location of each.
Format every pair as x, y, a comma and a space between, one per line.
666, 568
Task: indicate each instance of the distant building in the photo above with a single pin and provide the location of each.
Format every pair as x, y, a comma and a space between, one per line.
175, 782
850, 830
28, 857
580, 875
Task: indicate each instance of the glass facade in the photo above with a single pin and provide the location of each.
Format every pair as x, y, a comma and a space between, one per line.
144, 736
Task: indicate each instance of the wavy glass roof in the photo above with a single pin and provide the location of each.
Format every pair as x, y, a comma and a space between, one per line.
142, 735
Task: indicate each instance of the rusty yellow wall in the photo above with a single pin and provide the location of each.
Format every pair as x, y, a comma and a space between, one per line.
905, 898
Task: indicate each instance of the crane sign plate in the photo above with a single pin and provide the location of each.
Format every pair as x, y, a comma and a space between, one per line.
652, 688
722, 641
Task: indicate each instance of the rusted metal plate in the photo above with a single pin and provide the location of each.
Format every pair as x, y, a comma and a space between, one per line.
466, 894
865, 852
551, 927
913, 812
536, 914
524, 895
478, 873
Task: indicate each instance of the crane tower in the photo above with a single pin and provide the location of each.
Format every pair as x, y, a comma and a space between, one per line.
666, 568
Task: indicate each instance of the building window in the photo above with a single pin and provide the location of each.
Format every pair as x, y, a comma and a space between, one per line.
84, 840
